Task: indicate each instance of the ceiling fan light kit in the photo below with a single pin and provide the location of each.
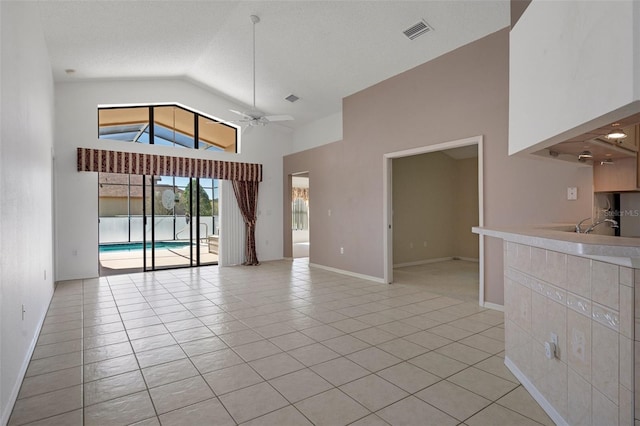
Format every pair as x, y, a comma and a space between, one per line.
256, 117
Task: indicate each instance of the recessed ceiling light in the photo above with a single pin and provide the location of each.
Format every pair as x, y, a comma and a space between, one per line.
616, 133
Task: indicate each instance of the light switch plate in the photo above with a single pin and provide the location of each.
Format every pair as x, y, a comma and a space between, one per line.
572, 193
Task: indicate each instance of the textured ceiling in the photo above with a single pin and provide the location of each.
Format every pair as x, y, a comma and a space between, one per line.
321, 51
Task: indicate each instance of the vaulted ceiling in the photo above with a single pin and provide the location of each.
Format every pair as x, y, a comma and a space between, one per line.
321, 51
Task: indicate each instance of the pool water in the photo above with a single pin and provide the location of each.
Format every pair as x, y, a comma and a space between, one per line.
138, 246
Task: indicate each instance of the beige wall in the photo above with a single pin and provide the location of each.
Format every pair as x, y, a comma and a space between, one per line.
458, 95
435, 204
465, 207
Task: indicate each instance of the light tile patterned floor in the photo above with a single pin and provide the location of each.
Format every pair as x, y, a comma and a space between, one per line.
278, 344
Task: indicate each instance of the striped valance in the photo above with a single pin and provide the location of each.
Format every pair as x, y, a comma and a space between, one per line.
99, 160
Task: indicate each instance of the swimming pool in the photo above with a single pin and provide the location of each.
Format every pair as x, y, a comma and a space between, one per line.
138, 246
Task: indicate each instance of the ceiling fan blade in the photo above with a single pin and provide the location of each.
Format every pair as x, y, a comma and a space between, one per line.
279, 118
248, 117
246, 130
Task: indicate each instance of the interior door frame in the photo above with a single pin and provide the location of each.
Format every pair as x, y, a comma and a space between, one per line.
387, 196
304, 174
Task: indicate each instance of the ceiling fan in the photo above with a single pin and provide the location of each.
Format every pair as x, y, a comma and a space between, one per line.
255, 117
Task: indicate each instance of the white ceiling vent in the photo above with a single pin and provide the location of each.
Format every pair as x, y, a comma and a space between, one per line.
417, 30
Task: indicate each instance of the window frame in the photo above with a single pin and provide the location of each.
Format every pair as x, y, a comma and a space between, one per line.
150, 127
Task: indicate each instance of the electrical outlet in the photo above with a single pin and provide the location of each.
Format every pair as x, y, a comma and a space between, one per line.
572, 193
424, 244
341, 250
549, 350
410, 245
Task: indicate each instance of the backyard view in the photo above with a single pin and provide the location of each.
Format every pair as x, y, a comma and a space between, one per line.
176, 217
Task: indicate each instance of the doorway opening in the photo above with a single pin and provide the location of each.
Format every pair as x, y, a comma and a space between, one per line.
148, 223
300, 240
433, 195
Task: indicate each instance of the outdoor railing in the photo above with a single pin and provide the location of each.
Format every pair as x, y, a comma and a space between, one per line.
122, 229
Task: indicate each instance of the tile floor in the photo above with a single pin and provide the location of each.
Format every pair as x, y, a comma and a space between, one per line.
278, 344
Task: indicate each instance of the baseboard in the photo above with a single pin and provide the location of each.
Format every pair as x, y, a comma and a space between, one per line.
466, 259
535, 393
13, 396
422, 262
436, 260
493, 306
348, 273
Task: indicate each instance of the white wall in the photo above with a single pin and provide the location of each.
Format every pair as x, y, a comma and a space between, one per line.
26, 224
76, 193
322, 131
574, 66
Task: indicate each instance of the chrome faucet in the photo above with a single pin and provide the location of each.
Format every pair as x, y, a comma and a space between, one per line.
579, 225
613, 224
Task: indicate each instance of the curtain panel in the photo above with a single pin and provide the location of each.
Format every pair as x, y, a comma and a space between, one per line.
247, 196
103, 161
302, 193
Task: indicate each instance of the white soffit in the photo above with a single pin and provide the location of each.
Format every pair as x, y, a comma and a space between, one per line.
320, 50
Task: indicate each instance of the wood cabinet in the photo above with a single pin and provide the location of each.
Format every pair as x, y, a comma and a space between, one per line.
624, 173
617, 177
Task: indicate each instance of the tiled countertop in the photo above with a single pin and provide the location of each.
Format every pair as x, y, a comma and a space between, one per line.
559, 237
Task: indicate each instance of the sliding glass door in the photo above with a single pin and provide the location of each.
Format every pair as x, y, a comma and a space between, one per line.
157, 222
181, 222
120, 223
168, 237
206, 204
